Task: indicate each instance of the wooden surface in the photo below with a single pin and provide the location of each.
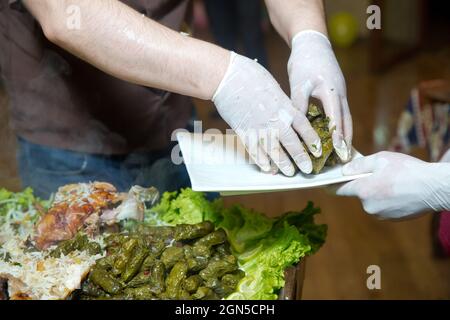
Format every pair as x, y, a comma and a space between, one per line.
355, 241
294, 278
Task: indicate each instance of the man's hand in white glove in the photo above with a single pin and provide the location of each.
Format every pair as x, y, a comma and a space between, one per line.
251, 101
399, 186
314, 71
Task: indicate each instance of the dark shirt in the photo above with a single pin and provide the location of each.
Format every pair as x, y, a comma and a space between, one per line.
58, 100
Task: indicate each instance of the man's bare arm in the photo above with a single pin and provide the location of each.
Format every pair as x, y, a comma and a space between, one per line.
120, 41
290, 17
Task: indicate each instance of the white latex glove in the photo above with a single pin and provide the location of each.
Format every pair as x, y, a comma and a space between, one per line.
399, 186
314, 71
251, 101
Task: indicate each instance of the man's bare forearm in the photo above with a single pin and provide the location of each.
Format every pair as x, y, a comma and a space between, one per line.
120, 41
290, 17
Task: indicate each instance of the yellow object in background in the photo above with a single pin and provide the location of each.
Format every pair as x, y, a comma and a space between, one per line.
343, 29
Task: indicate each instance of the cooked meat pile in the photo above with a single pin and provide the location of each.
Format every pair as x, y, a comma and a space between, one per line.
75, 206
87, 206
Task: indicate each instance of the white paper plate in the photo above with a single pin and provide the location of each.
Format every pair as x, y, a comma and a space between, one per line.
219, 163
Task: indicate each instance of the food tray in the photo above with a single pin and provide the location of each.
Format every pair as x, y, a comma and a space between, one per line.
294, 277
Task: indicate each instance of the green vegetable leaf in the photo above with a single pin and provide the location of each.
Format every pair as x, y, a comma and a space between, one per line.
304, 221
283, 247
186, 206
19, 210
244, 227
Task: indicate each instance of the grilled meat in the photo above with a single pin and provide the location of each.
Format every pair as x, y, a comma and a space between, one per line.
73, 209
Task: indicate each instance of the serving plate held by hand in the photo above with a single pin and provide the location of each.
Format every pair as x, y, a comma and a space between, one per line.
219, 163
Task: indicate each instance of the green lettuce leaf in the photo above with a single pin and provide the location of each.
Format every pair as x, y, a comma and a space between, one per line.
19, 210
265, 264
244, 227
186, 206
18, 202
292, 237
304, 221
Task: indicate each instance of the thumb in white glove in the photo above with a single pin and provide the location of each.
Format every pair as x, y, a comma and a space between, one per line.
399, 186
251, 101
314, 71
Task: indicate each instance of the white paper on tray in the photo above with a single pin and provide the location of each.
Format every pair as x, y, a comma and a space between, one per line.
219, 163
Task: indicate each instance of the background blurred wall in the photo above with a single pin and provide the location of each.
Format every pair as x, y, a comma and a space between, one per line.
356, 8
401, 21
400, 17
